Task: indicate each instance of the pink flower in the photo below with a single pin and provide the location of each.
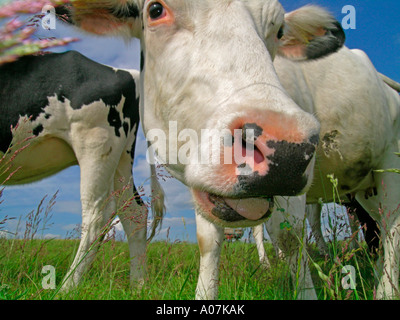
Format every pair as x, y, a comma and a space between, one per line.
27, 6
16, 36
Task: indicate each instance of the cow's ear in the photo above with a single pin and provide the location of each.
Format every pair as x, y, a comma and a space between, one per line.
104, 17
310, 33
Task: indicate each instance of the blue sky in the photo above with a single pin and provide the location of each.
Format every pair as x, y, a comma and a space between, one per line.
377, 33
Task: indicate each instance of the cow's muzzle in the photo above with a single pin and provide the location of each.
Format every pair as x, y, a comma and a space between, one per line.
265, 165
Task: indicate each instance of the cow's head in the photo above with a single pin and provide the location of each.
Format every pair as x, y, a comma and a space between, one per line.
213, 105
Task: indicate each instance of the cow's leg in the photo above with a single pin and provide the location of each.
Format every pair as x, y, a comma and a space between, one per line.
287, 225
98, 152
258, 233
384, 208
389, 285
210, 238
133, 216
97, 208
389, 221
313, 213
273, 234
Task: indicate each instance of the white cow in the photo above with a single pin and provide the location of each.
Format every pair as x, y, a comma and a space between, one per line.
207, 67
358, 109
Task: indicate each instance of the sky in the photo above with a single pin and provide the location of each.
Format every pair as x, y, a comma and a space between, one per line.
377, 32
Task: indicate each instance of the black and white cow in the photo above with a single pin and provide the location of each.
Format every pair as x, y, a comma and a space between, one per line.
65, 109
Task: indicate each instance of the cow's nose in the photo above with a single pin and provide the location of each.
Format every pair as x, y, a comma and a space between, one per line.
270, 161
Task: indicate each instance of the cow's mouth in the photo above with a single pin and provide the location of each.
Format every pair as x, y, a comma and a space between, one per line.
228, 210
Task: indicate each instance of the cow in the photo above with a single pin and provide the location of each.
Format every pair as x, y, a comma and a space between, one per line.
313, 212
358, 109
65, 109
208, 66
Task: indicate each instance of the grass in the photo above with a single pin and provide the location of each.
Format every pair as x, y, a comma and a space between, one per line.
172, 272
173, 268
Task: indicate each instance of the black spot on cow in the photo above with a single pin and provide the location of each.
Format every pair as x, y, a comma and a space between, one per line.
37, 130
114, 120
125, 126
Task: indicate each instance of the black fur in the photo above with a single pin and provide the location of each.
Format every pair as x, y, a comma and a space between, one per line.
331, 42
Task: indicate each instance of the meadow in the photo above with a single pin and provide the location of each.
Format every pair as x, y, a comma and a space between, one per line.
173, 270
173, 266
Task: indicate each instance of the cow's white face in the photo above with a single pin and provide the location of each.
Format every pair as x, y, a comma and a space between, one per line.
207, 69
213, 105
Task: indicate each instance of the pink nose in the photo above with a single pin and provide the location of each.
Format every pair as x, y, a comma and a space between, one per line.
271, 156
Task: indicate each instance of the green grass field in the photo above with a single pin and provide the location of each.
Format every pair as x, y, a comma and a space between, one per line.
172, 268
173, 271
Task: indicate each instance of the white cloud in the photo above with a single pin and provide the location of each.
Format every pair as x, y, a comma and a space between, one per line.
176, 227
178, 197
51, 236
141, 170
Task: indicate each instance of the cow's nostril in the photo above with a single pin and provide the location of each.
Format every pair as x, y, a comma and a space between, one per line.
251, 148
248, 135
258, 156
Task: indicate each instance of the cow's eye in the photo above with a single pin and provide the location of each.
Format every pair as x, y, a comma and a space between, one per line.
156, 11
280, 33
